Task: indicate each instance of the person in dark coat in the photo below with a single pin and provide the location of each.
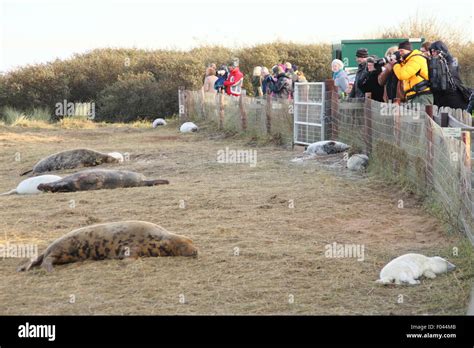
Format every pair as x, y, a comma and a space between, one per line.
454, 97
283, 86
470, 104
369, 82
361, 58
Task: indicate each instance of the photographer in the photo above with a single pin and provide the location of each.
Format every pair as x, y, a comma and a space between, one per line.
393, 88
368, 82
361, 58
455, 95
412, 69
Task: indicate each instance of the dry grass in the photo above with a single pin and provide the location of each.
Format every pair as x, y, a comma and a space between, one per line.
228, 206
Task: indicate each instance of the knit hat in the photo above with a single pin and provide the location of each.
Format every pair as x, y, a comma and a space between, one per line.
405, 45
338, 62
362, 53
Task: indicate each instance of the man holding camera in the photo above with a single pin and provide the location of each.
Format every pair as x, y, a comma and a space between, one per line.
411, 67
369, 80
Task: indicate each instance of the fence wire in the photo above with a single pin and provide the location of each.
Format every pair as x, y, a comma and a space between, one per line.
257, 117
404, 145
408, 147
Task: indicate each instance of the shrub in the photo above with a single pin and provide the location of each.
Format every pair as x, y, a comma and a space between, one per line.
132, 97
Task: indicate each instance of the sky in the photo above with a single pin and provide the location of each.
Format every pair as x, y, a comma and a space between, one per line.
43, 30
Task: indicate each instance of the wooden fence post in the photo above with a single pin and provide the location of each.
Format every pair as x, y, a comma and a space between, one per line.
368, 122
331, 109
180, 102
221, 110
397, 122
444, 119
202, 101
243, 112
430, 147
268, 113
185, 103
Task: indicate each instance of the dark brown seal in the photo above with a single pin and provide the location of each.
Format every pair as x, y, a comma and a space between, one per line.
115, 240
97, 179
75, 158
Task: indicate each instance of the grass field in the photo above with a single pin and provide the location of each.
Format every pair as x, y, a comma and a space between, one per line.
261, 231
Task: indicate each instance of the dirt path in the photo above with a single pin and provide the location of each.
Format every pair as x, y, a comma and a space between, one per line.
262, 233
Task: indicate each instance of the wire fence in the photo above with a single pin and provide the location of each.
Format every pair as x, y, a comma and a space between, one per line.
405, 144
256, 117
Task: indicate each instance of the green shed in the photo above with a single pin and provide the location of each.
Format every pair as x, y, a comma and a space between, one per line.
346, 50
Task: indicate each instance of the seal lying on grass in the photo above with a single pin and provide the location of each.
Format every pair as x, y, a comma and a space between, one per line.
30, 186
327, 147
409, 267
76, 158
115, 240
97, 179
188, 127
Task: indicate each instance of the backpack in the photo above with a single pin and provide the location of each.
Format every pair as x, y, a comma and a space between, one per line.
439, 74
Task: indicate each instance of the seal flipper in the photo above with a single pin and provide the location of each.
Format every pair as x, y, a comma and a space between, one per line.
35, 263
11, 192
155, 182
48, 264
27, 172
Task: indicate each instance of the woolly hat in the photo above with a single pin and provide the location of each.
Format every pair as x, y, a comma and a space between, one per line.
405, 45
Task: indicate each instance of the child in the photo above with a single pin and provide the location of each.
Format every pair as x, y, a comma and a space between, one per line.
222, 74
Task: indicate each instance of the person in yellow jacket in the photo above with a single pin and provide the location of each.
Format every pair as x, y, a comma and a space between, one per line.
413, 71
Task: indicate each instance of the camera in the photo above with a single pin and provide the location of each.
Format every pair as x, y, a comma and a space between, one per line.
382, 61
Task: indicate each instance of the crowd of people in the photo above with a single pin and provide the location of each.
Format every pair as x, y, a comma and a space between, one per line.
279, 82
426, 76
429, 75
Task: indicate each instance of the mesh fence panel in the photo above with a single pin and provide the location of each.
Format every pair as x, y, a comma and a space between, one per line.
254, 116
404, 145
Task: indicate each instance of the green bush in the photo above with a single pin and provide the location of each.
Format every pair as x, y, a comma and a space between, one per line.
131, 97
128, 84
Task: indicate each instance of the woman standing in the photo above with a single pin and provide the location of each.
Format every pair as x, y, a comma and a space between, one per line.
341, 80
210, 80
257, 81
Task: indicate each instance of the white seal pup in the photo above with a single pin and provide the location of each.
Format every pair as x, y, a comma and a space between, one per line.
358, 162
326, 147
30, 186
188, 127
159, 122
409, 267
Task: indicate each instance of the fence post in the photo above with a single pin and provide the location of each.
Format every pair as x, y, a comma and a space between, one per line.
185, 103
221, 110
202, 101
368, 122
243, 112
180, 102
430, 147
268, 113
331, 109
397, 122
444, 119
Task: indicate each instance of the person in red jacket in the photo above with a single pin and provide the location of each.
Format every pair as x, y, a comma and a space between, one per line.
233, 84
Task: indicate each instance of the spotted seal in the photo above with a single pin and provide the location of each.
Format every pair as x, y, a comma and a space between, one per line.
114, 240
97, 179
72, 159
